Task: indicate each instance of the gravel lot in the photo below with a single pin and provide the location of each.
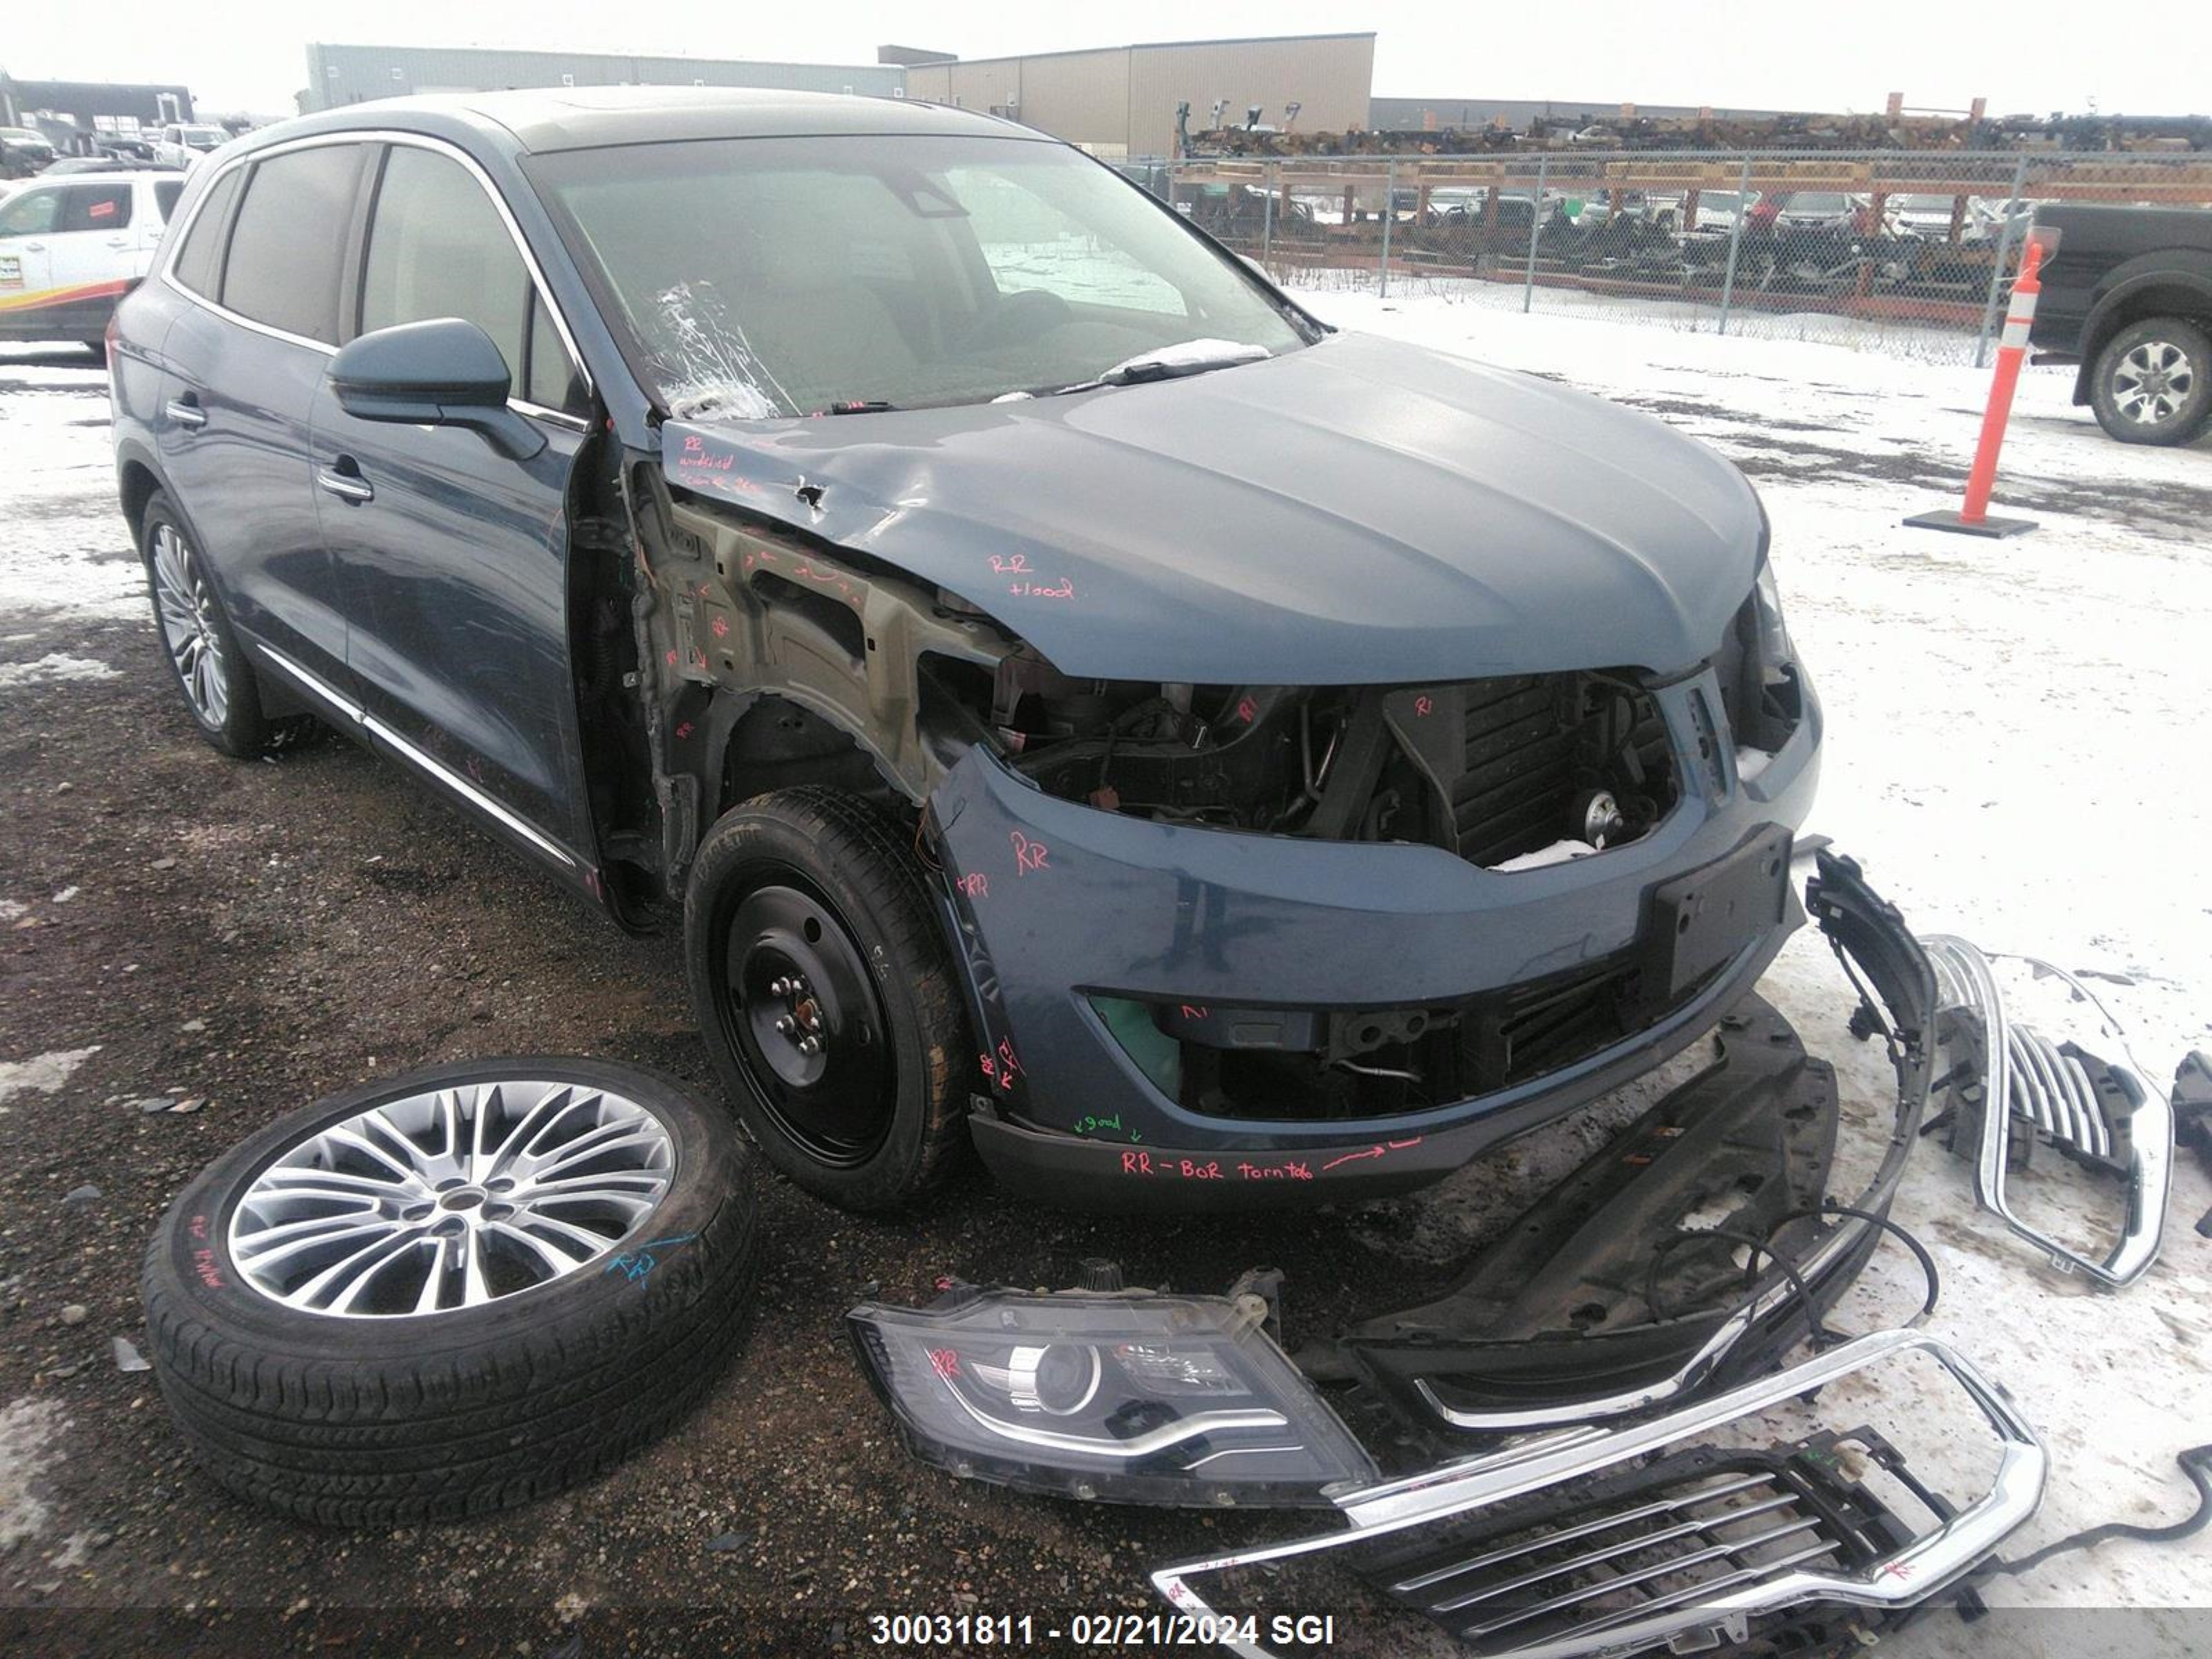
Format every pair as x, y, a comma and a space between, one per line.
249, 937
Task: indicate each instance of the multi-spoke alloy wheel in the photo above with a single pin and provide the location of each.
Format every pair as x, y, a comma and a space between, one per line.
2150, 383
451, 1292
451, 1199
2153, 382
186, 609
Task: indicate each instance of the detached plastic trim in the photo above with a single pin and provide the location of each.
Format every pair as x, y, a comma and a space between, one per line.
1929, 1562
2026, 1075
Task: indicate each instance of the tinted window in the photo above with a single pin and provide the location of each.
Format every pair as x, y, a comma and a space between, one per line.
166, 191
96, 207
31, 214
289, 241
437, 248
198, 260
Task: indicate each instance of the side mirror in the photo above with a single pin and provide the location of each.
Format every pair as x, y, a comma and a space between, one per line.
444, 371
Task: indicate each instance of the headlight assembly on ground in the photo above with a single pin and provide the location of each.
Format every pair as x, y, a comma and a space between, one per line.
1127, 1396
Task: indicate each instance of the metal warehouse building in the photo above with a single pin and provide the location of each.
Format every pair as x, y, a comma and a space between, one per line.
339, 74
1121, 101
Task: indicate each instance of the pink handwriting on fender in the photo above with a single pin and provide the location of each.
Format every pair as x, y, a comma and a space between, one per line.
1016, 564
1423, 707
1183, 1169
975, 885
1037, 590
1027, 854
1247, 710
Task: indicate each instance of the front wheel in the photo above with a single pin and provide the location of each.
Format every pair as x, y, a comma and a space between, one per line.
825, 991
2153, 382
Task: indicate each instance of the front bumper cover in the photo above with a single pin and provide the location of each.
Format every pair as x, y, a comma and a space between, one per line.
1052, 904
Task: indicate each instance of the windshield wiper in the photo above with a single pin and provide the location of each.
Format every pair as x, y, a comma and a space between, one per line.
1168, 363
860, 406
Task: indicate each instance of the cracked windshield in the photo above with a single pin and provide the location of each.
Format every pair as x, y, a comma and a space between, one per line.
766, 277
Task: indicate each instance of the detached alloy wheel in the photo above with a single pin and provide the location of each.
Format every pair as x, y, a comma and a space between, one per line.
204, 654
824, 990
2153, 382
452, 1292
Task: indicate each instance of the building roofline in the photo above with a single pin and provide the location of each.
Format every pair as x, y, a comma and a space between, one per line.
1144, 45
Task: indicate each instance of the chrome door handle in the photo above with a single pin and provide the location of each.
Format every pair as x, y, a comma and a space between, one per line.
347, 487
190, 416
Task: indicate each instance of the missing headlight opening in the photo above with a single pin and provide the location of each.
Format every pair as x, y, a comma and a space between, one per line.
1509, 773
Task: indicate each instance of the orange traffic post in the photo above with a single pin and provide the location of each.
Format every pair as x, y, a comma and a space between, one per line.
1973, 519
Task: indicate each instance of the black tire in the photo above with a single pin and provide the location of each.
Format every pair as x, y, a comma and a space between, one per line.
2153, 382
813, 884
229, 712
385, 1421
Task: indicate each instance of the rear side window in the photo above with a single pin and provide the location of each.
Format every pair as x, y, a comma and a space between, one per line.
199, 261
288, 243
437, 248
166, 191
96, 207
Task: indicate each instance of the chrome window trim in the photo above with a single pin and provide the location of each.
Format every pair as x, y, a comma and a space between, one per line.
380, 136
436, 769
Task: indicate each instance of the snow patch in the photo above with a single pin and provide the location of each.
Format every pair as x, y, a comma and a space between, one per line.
30, 1430
54, 666
44, 1073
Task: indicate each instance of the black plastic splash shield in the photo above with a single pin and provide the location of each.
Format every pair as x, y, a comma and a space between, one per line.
1601, 1302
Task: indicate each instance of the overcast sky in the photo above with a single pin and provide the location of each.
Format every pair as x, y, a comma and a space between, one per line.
2150, 56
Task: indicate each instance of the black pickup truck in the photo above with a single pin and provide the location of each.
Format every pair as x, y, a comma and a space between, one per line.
2128, 296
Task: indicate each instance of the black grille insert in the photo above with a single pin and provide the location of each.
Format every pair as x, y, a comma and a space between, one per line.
1668, 1537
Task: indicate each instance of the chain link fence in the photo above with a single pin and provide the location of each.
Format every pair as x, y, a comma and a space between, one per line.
1903, 252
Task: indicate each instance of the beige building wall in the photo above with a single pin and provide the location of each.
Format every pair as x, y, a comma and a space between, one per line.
1330, 75
1121, 99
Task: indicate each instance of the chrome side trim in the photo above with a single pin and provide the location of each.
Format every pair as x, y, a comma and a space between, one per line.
2027, 1076
1915, 1571
437, 769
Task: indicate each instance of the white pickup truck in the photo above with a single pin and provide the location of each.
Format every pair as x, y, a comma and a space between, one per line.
182, 144
70, 247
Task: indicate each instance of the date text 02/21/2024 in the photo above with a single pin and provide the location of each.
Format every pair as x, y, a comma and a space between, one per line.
1121, 1630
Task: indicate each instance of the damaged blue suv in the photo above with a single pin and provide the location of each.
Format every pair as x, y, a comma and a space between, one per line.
1075, 701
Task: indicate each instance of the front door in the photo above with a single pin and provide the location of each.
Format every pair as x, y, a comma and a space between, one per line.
451, 558
28, 220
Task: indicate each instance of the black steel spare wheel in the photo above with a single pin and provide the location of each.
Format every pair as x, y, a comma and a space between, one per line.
454, 1291
824, 989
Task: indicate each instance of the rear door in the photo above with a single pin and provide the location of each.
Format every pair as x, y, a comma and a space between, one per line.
29, 219
264, 255
95, 253
452, 558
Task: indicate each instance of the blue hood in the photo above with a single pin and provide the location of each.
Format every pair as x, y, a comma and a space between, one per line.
1361, 512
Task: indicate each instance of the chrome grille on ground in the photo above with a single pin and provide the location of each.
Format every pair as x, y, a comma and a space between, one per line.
1703, 1526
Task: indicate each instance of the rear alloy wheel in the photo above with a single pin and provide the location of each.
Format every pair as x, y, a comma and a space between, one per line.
2152, 383
452, 1292
203, 653
824, 989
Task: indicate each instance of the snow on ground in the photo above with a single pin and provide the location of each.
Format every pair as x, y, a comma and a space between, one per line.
65, 550
2013, 751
